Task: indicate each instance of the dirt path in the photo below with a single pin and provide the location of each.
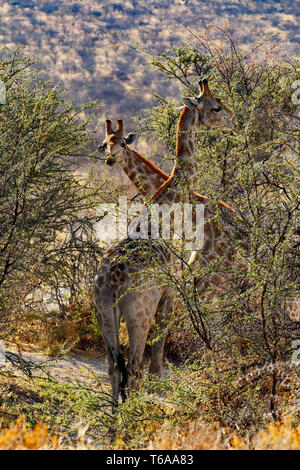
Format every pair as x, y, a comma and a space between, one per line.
85, 368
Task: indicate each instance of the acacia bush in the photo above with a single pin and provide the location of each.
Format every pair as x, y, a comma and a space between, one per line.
48, 248
247, 334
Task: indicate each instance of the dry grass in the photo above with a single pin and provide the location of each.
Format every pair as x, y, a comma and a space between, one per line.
280, 435
54, 335
277, 436
18, 437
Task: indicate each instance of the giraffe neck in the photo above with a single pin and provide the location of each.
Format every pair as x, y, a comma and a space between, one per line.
189, 121
169, 189
184, 174
146, 176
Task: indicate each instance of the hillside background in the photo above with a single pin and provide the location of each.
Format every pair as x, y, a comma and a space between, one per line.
88, 46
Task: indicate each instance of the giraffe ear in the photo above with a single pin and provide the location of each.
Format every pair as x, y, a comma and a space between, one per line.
130, 138
191, 103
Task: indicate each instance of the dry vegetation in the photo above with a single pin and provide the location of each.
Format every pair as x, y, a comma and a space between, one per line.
280, 435
88, 45
214, 402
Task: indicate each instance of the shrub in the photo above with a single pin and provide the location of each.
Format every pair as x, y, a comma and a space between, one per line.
48, 246
242, 323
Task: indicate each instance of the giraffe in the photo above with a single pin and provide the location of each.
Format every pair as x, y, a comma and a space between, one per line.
113, 293
204, 110
121, 289
145, 175
147, 178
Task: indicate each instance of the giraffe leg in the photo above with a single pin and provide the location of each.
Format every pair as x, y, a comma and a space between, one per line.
138, 312
108, 315
113, 372
136, 353
163, 314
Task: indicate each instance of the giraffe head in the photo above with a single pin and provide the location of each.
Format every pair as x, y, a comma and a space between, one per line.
207, 109
115, 143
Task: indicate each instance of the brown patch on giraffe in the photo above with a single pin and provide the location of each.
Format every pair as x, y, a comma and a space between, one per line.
132, 175
227, 262
207, 230
220, 248
207, 245
145, 300
151, 165
147, 311
210, 256
165, 185
149, 304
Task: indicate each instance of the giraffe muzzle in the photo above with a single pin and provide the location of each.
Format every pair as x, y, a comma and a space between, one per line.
110, 159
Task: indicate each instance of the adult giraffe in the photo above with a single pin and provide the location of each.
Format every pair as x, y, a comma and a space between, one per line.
117, 278
145, 175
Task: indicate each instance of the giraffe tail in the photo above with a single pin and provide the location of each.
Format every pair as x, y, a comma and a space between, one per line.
120, 358
123, 370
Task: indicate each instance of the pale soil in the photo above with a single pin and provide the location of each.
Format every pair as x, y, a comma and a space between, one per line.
86, 368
